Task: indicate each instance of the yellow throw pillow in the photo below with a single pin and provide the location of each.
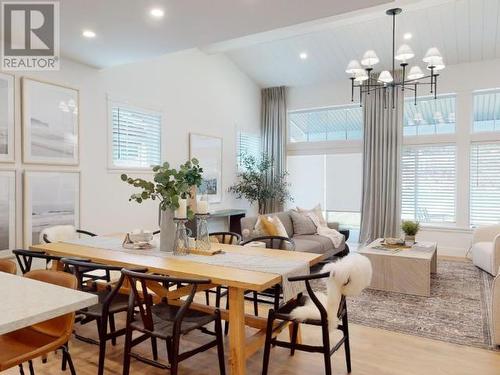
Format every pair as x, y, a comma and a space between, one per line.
268, 225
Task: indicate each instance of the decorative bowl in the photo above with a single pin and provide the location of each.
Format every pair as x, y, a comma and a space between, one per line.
141, 236
393, 241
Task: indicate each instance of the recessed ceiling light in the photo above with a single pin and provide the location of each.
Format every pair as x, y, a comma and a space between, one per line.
157, 12
88, 34
303, 55
407, 36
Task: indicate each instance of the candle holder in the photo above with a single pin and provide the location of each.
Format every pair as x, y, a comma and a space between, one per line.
181, 241
202, 235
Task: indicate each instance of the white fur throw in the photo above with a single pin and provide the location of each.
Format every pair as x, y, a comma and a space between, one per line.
59, 233
348, 276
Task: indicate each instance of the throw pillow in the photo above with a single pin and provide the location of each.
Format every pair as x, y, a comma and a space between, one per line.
302, 224
316, 210
272, 226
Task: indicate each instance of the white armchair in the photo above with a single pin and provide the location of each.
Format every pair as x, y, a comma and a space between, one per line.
486, 248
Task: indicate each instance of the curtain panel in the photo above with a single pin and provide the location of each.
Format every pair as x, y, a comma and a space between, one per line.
382, 139
273, 125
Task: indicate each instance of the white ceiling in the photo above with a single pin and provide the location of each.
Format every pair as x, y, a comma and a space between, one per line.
463, 30
126, 32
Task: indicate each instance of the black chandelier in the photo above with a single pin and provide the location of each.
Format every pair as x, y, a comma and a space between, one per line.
362, 79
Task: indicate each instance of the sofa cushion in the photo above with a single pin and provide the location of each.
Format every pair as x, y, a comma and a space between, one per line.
323, 242
307, 246
302, 224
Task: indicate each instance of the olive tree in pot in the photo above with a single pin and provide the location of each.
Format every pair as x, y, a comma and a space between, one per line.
169, 186
255, 185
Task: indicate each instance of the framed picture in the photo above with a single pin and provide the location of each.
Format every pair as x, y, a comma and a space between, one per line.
50, 198
7, 83
7, 210
208, 150
50, 116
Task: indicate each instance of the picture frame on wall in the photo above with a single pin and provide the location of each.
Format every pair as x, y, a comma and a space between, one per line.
7, 210
50, 118
208, 150
7, 117
50, 198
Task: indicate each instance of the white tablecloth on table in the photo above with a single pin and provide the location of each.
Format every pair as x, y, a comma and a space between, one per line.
260, 263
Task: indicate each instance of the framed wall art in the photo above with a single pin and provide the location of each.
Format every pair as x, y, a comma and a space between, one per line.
7, 210
50, 116
50, 198
7, 117
208, 150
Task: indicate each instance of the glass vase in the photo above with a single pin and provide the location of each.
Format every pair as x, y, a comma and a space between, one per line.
181, 241
202, 235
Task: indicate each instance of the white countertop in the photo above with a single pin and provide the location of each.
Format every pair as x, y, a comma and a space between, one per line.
26, 302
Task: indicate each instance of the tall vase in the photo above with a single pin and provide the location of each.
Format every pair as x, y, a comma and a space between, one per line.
167, 231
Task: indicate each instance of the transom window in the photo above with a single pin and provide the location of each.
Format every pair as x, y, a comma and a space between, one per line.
327, 124
135, 135
429, 115
486, 111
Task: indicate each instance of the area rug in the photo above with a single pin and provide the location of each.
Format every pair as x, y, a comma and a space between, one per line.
457, 310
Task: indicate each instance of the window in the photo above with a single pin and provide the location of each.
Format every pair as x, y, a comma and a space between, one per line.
486, 111
485, 183
248, 144
136, 136
329, 124
429, 115
428, 175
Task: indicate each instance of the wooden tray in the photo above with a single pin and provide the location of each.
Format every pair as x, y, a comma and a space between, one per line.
396, 246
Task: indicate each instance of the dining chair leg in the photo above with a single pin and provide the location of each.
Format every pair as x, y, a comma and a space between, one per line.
21, 369
174, 364
255, 304
64, 361
30, 365
226, 323
295, 331
103, 328
218, 292
154, 348
126, 351
65, 349
112, 328
347, 346
207, 297
326, 350
220, 344
267, 345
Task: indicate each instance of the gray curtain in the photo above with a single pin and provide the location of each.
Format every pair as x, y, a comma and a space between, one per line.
273, 125
382, 138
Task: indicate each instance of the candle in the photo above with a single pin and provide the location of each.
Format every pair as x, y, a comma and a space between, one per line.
202, 207
181, 212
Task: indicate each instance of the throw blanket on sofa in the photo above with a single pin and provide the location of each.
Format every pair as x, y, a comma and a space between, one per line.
325, 231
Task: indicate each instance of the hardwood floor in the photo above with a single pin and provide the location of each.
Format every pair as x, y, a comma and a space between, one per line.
374, 352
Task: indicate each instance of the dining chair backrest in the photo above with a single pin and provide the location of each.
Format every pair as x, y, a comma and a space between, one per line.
143, 299
25, 258
8, 266
62, 325
230, 238
62, 233
273, 242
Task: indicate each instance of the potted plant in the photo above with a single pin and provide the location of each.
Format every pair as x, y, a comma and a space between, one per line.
410, 229
255, 185
169, 187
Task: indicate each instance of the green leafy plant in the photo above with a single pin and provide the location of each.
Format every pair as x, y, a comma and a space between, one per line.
410, 228
255, 185
168, 185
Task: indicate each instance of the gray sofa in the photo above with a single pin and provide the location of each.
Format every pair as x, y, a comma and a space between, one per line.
311, 243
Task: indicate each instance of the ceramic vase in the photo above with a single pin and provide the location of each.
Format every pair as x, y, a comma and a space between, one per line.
167, 230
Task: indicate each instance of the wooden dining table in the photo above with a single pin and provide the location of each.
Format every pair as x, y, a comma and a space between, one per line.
238, 282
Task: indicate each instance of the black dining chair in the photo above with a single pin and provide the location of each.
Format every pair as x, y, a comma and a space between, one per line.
282, 314
167, 321
272, 295
229, 238
25, 259
110, 303
46, 238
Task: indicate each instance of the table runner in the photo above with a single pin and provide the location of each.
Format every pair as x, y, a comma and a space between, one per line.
260, 263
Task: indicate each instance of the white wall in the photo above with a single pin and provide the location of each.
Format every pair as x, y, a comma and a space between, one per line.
196, 93
460, 79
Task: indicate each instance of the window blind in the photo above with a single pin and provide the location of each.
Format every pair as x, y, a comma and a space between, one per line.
428, 183
249, 144
136, 137
485, 183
